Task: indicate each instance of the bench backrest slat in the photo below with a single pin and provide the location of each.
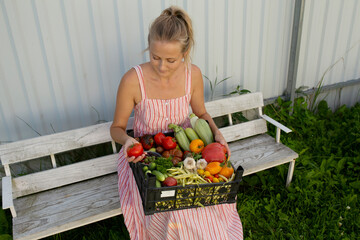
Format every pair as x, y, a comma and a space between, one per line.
234, 104
56, 143
244, 130
64, 175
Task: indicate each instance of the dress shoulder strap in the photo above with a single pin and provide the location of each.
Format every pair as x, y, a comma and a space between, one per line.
188, 80
141, 81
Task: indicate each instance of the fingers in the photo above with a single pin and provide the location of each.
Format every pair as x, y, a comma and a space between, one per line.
220, 139
137, 159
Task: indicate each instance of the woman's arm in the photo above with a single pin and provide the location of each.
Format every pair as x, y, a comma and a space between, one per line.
128, 92
198, 105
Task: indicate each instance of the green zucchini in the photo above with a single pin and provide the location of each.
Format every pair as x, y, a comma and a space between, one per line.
180, 136
203, 129
191, 134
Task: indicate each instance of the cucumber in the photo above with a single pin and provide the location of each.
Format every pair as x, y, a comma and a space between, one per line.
147, 171
152, 166
158, 183
159, 175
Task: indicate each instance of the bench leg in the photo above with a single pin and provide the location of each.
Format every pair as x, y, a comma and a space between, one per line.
290, 172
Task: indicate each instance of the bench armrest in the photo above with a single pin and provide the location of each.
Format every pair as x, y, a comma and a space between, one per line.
7, 197
278, 126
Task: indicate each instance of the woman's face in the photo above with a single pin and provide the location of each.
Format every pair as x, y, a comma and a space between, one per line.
165, 57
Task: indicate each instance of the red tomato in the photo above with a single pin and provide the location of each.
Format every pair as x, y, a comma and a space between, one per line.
214, 152
158, 138
169, 143
135, 150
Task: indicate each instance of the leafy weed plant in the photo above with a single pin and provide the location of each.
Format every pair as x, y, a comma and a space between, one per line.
322, 201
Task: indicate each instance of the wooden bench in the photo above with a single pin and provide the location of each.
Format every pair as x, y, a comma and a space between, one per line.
65, 197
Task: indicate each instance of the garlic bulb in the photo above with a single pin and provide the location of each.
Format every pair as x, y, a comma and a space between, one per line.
201, 163
189, 163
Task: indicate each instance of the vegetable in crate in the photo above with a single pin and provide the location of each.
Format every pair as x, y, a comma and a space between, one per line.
202, 129
227, 170
158, 138
213, 168
191, 134
147, 141
196, 145
168, 143
214, 152
190, 164
180, 136
135, 150
201, 163
169, 182
162, 164
174, 154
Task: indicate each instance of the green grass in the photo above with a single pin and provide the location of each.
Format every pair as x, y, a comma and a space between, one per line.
322, 201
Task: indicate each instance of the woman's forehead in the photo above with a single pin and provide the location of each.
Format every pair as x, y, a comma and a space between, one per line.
167, 49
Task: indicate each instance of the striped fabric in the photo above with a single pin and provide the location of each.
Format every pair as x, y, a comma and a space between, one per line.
213, 222
153, 115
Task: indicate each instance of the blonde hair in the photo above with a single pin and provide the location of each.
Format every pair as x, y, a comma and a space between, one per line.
173, 24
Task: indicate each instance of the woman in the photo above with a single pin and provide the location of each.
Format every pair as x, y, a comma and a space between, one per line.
160, 92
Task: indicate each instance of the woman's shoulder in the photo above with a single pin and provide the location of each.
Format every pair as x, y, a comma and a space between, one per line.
130, 77
196, 74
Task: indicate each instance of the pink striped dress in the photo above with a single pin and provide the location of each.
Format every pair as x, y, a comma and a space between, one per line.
213, 222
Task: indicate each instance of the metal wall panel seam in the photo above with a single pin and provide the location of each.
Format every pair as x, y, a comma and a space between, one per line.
295, 49
357, 62
226, 47
97, 60
243, 46
260, 51
142, 33
4, 124
118, 38
72, 61
322, 36
349, 38
307, 29
276, 57
285, 57
46, 65
206, 45
18, 66
336, 42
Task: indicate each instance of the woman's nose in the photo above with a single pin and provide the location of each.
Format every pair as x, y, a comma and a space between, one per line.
161, 66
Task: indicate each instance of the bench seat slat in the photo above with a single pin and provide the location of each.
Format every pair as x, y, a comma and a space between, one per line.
64, 175
239, 103
57, 210
260, 152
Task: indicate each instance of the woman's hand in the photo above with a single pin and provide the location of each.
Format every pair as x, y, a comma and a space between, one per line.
220, 139
130, 141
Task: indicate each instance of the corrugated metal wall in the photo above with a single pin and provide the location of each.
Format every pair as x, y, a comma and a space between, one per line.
330, 46
61, 60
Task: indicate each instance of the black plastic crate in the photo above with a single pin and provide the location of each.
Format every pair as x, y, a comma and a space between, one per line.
183, 197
